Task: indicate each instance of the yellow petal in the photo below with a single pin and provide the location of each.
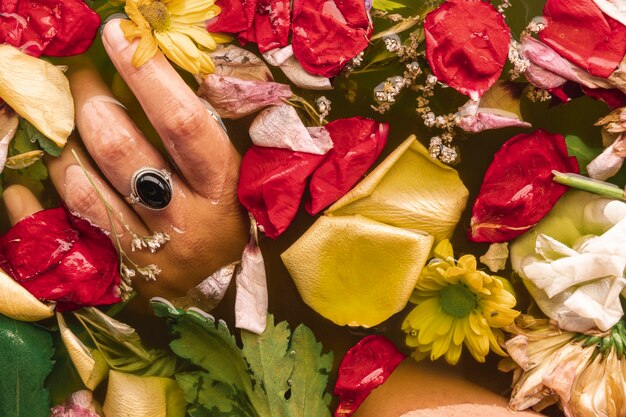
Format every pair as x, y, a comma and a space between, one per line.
180, 50
197, 34
17, 303
90, 365
145, 50
135, 396
356, 271
198, 15
444, 250
38, 91
410, 190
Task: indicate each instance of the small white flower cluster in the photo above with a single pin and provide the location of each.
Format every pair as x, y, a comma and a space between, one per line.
153, 242
536, 94
393, 17
323, 107
386, 92
503, 6
441, 148
520, 63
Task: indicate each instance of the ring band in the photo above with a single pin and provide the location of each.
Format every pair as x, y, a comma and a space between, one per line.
151, 188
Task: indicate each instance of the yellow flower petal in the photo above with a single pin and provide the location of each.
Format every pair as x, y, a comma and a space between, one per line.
454, 353
17, 303
197, 34
356, 271
146, 49
409, 190
38, 91
443, 250
180, 50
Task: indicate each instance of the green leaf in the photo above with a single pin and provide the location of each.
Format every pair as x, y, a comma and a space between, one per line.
25, 363
387, 5
583, 152
121, 346
21, 142
46, 144
276, 374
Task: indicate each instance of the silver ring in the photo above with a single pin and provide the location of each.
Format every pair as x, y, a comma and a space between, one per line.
151, 188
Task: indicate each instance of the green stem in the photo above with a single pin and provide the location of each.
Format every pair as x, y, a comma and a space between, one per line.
580, 182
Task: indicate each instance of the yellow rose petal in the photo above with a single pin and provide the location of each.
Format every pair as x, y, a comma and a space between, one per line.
410, 190
90, 365
356, 271
17, 303
38, 91
150, 396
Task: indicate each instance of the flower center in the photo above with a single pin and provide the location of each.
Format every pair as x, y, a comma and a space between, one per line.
457, 300
157, 15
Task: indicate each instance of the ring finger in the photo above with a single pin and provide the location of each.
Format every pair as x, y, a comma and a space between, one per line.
119, 148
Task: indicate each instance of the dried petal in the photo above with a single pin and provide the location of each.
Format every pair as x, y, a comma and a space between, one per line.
234, 97
251, 301
271, 25
584, 35
280, 127
365, 366
518, 190
19, 304
8, 127
237, 62
49, 27
328, 34
496, 256
357, 144
607, 164
38, 91
80, 404
467, 44
271, 185
57, 256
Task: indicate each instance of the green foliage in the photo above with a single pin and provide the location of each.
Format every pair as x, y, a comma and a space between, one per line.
121, 347
276, 374
46, 144
387, 5
25, 363
583, 152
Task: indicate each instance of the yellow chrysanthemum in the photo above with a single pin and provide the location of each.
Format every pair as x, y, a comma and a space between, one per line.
177, 27
458, 304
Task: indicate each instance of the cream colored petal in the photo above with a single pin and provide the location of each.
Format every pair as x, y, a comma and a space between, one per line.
17, 303
135, 396
496, 256
180, 50
356, 271
409, 190
8, 126
90, 365
38, 91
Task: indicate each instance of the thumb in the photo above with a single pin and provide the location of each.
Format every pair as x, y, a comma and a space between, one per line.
20, 202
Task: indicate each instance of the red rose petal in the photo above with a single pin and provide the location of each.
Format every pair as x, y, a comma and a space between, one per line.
77, 29
357, 144
232, 18
49, 27
36, 244
59, 257
582, 33
614, 98
328, 34
518, 190
271, 185
271, 25
467, 44
364, 367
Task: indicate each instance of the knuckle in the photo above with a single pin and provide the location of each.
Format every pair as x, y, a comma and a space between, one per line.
185, 122
83, 198
113, 150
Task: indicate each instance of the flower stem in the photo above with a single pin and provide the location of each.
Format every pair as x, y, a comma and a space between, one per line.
580, 182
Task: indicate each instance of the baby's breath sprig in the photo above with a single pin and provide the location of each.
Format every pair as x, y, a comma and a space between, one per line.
382, 14
128, 268
315, 114
536, 94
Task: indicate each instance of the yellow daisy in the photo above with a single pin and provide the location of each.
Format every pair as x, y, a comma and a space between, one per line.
177, 27
458, 304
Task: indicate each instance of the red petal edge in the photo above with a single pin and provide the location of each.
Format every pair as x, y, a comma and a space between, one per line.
518, 190
271, 185
467, 44
59, 257
364, 367
357, 144
328, 34
580, 32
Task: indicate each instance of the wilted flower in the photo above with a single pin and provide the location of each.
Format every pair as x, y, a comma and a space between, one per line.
457, 304
177, 27
582, 372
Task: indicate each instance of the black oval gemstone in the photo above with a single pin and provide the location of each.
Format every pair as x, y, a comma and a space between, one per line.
153, 190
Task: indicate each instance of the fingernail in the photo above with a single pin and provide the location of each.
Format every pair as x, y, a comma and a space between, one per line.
119, 15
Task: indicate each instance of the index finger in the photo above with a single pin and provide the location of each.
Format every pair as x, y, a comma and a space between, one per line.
195, 141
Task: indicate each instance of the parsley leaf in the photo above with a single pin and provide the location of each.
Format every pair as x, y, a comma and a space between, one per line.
277, 373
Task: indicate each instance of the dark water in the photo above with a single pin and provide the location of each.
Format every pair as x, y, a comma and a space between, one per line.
576, 117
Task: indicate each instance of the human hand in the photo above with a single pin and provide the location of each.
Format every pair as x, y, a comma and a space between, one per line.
206, 224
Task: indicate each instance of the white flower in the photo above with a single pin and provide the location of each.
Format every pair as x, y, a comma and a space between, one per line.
573, 261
